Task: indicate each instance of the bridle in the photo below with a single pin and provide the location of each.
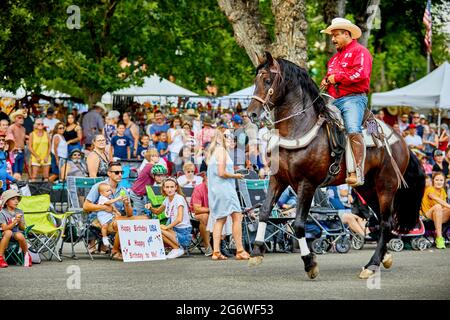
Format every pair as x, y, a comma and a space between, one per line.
266, 115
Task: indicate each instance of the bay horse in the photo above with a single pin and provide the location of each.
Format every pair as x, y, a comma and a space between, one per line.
285, 90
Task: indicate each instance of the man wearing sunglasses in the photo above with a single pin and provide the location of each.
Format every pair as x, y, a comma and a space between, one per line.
90, 204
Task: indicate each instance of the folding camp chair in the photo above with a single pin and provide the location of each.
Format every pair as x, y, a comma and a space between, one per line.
156, 199
79, 226
13, 253
48, 227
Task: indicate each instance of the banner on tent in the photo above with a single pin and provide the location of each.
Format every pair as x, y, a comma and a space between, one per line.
141, 240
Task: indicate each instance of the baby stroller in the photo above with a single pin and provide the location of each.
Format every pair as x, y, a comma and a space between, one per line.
362, 209
414, 238
325, 230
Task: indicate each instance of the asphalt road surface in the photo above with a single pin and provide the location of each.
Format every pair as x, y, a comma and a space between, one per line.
414, 275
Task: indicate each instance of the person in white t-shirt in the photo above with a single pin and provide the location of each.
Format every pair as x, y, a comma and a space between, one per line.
177, 233
50, 121
189, 179
413, 140
175, 142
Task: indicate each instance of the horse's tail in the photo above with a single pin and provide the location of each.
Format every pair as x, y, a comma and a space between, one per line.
407, 201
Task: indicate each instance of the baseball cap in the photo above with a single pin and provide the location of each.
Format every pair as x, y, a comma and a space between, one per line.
412, 126
237, 119
50, 111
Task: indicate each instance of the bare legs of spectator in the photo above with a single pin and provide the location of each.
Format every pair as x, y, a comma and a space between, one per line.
170, 238
237, 232
439, 215
203, 219
35, 170
354, 223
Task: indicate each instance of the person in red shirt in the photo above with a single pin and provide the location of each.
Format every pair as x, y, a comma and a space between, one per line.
200, 208
348, 81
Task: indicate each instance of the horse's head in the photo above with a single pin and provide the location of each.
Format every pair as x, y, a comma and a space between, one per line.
267, 86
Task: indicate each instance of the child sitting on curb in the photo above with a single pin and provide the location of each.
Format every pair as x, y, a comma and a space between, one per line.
11, 224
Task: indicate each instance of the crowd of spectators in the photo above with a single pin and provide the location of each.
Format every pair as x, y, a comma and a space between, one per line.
184, 150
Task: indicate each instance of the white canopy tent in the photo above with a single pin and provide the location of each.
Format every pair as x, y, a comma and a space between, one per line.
20, 93
429, 92
153, 86
242, 96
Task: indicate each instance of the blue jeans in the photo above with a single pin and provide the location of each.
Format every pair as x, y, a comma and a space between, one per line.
352, 110
184, 236
18, 162
138, 203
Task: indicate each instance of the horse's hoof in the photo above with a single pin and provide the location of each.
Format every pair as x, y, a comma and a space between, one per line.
255, 261
366, 274
314, 272
387, 260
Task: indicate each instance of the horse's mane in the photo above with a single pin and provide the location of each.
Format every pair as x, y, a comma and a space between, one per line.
295, 76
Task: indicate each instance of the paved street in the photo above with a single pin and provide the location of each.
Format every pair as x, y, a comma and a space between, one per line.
414, 275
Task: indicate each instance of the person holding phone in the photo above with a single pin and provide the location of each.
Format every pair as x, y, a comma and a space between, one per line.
223, 199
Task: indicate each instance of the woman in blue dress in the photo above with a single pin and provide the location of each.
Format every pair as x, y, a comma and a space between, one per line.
222, 196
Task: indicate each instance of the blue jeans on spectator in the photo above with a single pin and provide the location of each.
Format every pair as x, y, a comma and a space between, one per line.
18, 162
184, 236
138, 203
352, 109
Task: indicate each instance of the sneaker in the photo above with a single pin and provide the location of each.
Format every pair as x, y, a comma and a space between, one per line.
3, 263
440, 243
106, 242
27, 261
175, 253
208, 252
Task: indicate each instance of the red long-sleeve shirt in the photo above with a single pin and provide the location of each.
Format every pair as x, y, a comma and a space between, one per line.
351, 68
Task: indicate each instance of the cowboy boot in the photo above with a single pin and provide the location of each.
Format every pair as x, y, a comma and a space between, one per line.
359, 152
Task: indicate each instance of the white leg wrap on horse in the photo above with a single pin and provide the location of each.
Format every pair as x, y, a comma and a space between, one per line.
261, 232
304, 250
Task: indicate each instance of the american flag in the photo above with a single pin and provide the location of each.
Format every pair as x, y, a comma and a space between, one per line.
428, 25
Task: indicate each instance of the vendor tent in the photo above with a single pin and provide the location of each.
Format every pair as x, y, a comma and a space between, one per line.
153, 86
244, 93
242, 96
431, 91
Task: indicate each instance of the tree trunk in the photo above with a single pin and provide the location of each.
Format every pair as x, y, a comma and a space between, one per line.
332, 9
93, 97
366, 21
290, 28
249, 32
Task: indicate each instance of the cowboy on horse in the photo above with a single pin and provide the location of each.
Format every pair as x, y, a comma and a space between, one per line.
348, 81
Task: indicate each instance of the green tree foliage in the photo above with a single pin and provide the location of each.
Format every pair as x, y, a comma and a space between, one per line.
187, 39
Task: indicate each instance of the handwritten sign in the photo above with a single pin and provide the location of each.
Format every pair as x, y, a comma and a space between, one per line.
141, 240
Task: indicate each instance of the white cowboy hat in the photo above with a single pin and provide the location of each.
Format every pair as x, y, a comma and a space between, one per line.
100, 105
191, 113
343, 24
16, 113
